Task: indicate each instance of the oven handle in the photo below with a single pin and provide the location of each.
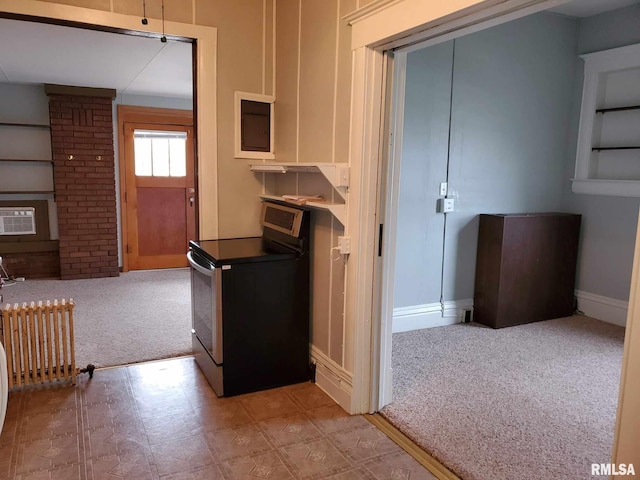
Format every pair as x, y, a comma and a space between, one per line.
205, 271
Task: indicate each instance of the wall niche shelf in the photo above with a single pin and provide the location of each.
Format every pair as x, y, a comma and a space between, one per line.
610, 79
618, 109
42, 160
337, 174
32, 125
597, 149
27, 192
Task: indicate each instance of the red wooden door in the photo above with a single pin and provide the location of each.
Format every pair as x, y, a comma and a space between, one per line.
160, 194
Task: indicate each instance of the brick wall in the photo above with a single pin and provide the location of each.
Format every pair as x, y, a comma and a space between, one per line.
32, 265
82, 144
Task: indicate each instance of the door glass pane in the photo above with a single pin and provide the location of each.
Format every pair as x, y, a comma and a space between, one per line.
142, 156
160, 153
160, 157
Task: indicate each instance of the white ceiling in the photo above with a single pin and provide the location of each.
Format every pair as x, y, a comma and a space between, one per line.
588, 8
41, 53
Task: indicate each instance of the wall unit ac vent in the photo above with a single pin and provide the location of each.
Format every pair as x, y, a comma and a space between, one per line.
17, 221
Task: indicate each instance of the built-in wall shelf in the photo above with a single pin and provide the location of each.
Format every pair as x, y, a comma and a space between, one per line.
30, 246
338, 210
34, 125
610, 85
597, 149
27, 192
618, 109
614, 188
336, 173
42, 160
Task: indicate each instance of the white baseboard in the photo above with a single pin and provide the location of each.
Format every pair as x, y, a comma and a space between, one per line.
606, 309
429, 315
334, 380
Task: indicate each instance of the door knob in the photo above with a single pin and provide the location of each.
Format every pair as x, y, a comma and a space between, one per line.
191, 201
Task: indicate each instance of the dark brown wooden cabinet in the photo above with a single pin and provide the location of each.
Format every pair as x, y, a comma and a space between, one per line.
526, 268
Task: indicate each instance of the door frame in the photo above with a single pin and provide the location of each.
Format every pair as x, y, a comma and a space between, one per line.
388, 208
386, 26
150, 116
205, 40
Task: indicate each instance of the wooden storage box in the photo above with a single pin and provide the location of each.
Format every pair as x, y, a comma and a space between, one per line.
526, 268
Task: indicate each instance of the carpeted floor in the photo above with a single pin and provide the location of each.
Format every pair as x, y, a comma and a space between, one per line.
531, 402
138, 316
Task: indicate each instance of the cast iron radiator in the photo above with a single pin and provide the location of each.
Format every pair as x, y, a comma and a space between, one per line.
39, 342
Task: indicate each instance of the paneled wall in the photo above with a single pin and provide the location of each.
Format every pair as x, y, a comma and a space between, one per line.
313, 82
245, 63
245, 59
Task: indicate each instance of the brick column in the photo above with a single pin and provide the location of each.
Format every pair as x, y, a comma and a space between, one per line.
84, 172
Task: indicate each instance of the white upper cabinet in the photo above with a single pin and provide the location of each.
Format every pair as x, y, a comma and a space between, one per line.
608, 154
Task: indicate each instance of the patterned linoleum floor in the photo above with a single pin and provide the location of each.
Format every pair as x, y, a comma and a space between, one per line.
162, 420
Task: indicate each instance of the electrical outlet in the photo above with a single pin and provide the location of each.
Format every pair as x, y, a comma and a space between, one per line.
344, 245
443, 189
446, 205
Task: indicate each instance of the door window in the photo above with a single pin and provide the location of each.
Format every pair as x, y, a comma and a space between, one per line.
160, 153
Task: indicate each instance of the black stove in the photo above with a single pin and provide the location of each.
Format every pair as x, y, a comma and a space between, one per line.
250, 304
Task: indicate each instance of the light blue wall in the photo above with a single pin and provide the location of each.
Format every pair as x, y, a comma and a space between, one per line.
511, 122
423, 166
608, 223
609, 30
512, 100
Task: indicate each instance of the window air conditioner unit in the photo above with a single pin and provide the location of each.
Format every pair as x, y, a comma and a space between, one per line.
17, 221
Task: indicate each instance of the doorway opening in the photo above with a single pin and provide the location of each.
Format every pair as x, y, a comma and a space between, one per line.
477, 114
112, 311
157, 178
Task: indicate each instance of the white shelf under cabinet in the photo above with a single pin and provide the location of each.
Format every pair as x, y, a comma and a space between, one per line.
338, 210
336, 173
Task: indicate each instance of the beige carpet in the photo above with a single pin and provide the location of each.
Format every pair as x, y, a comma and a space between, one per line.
138, 316
530, 402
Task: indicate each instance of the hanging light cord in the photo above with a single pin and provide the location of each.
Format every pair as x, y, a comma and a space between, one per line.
163, 39
144, 12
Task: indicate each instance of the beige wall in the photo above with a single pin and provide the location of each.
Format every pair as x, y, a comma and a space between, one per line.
244, 62
313, 91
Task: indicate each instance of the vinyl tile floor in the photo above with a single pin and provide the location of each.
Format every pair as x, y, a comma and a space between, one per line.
162, 420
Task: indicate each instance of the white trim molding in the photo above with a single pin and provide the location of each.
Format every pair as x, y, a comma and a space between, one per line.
613, 188
367, 10
429, 315
334, 380
602, 308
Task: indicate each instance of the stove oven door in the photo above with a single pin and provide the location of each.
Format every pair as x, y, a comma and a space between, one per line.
206, 315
